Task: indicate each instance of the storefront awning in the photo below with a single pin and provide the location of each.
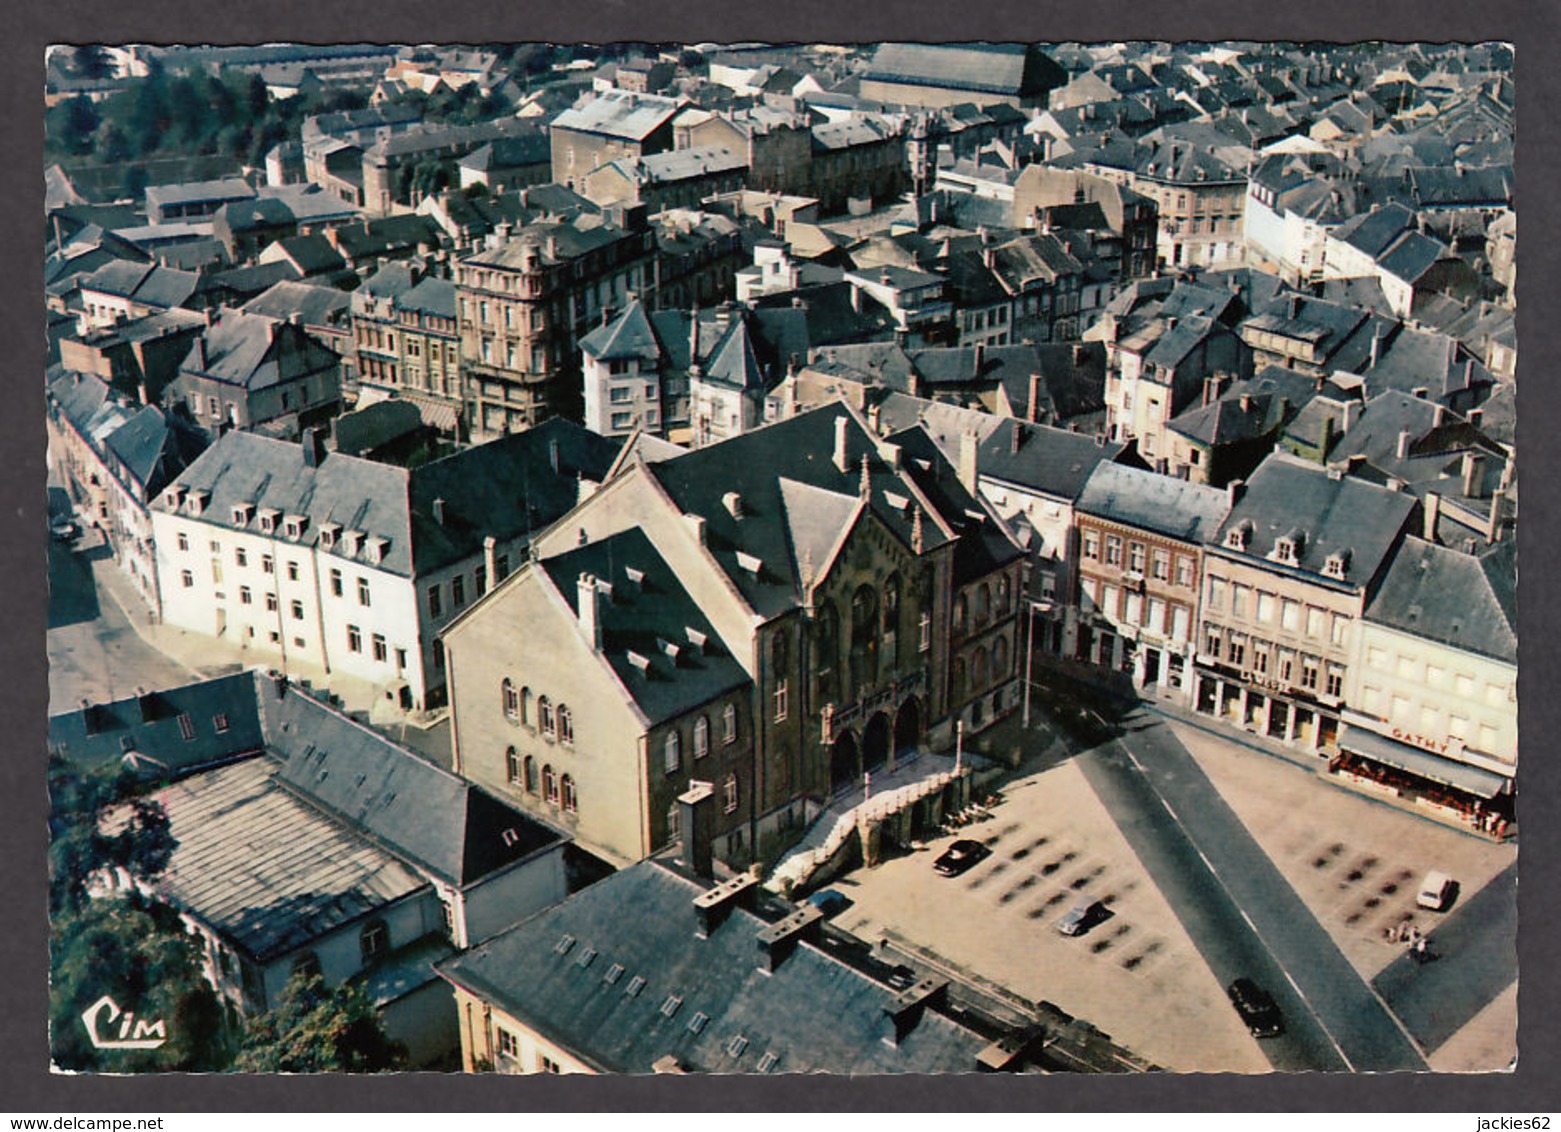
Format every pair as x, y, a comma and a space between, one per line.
1461, 776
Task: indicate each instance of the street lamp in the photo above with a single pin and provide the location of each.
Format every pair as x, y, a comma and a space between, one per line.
1029, 655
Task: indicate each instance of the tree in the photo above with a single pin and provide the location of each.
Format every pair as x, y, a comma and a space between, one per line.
138, 840
317, 1029
137, 954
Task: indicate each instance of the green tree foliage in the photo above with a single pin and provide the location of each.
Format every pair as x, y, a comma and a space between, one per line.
137, 954
317, 1029
138, 841
71, 124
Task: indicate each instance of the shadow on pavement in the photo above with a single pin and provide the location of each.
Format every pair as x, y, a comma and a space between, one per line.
73, 598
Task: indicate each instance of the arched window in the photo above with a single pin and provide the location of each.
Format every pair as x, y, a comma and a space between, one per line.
545, 716
891, 604
864, 615
959, 677
1003, 594
566, 724
729, 793
525, 705
1000, 658
373, 940
701, 737
960, 609
673, 751
979, 669
571, 802
512, 768
983, 603
729, 723
550, 784
529, 775
509, 697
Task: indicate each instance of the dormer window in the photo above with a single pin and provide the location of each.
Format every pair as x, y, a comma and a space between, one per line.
1337, 564
749, 562
328, 535
174, 497
376, 549
1287, 548
352, 542
268, 518
242, 514
295, 526
198, 500
1239, 537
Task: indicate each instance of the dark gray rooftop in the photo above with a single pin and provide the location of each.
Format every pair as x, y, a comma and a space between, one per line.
1164, 504
1465, 601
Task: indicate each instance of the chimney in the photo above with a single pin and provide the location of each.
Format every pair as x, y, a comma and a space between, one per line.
314, 447
590, 599
1403, 444
1438, 415
1016, 438
1474, 416
780, 939
695, 818
733, 504
1234, 490
905, 1011
1471, 474
969, 440
439, 511
841, 458
1246, 402
553, 456
489, 560
1033, 406
1352, 411
1376, 348
713, 906
1080, 353
856, 298
1433, 510
696, 526
1498, 514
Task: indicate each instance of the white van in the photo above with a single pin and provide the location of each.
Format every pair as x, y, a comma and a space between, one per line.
1435, 891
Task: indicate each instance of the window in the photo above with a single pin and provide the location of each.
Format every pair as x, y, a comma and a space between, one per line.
1260, 659
550, 784
1265, 607
1336, 629
363, 592
509, 697
1217, 593
1091, 545
782, 702
1314, 623
480, 575
566, 724
546, 1064
729, 793
240, 556
1238, 650
512, 767
509, 1044
1238, 599
500, 568
307, 965
186, 726
1309, 673
268, 564
673, 752
354, 639
380, 654
570, 801
292, 571
1212, 642
1183, 570
187, 579
1335, 680
1135, 558
1290, 614
270, 603
374, 940
528, 773
458, 591
729, 724
298, 610
336, 583
1162, 565
701, 737
245, 597
1113, 550
184, 541
545, 717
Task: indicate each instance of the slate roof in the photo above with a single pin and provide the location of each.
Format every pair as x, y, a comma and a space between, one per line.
259, 212
1374, 232
265, 868
619, 114
754, 465
230, 188
1412, 256
681, 164
1465, 601
431, 295
570, 241
627, 336
154, 724
1152, 502
389, 234
256, 352
645, 617
436, 820
605, 996
1226, 421
1073, 379
315, 305
1336, 513
154, 447
313, 254
1011, 69
1050, 461
1415, 359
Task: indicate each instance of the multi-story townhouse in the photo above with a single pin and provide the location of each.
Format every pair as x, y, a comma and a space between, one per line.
1293, 201
775, 614
327, 563
678, 178
1141, 539
115, 458
407, 342
1286, 580
612, 125
525, 303
860, 158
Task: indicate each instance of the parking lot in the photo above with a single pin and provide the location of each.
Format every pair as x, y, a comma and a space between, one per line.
1134, 975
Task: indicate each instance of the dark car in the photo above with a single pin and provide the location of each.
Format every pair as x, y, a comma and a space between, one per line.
1256, 1007
960, 856
830, 901
1082, 916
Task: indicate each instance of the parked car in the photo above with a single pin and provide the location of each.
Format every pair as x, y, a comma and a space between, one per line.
960, 856
1082, 916
1256, 1007
1436, 891
830, 901
63, 528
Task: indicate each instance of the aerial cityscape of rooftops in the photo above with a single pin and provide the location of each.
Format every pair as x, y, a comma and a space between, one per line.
898, 558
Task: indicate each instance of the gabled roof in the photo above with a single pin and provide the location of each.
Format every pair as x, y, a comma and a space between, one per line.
599, 973
1374, 232
646, 616
420, 812
620, 114
1046, 460
1461, 600
154, 448
1152, 502
628, 336
732, 362
1010, 69
314, 305
256, 352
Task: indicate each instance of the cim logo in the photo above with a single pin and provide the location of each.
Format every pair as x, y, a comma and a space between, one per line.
134, 1033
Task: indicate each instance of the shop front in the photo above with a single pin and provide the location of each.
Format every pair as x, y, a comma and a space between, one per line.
1420, 772
1265, 707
